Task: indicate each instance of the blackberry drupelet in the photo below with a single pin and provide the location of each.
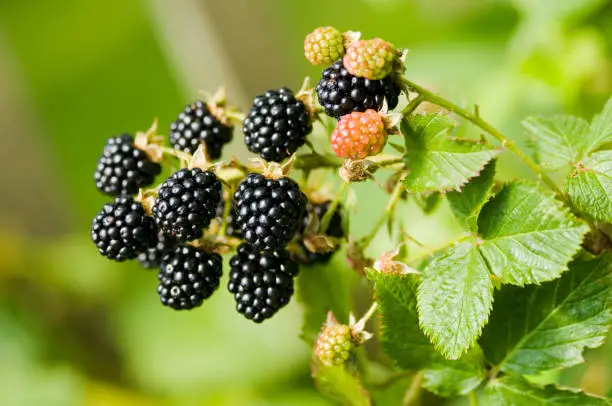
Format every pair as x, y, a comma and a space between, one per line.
122, 230
341, 93
277, 125
231, 228
334, 229
151, 257
269, 212
186, 203
123, 168
187, 276
261, 281
196, 124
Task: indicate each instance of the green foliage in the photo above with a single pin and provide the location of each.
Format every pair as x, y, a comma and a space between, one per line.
454, 299
511, 391
589, 186
467, 203
529, 236
337, 383
601, 128
540, 328
559, 140
437, 161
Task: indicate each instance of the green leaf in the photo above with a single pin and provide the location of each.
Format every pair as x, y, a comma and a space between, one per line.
427, 202
454, 299
589, 186
539, 328
339, 384
467, 203
401, 337
407, 345
456, 377
437, 161
601, 128
513, 391
558, 139
320, 289
528, 235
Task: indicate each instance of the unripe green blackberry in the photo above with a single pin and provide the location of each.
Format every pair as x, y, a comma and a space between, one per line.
334, 345
188, 276
324, 45
372, 59
122, 230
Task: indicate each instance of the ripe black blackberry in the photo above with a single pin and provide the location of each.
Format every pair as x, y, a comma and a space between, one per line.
231, 228
151, 257
277, 125
196, 124
122, 230
187, 276
186, 203
123, 169
334, 229
269, 212
341, 93
261, 281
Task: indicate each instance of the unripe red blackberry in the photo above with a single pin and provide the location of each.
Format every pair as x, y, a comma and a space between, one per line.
196, 125
359, 135
372, 59
341, 93
335, 344
123, 169
269, 212
323, 46
186, 203
151, 258
261, 281
122, 230
277, 125
188, 276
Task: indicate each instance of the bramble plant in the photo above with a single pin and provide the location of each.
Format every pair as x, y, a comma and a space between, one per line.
525, 290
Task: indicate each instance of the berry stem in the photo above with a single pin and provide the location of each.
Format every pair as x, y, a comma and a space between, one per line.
370, 312
413, 393
412, 105
332, 208
475, 119
226, 211
437, 248
395, 195
177, 154
473, 399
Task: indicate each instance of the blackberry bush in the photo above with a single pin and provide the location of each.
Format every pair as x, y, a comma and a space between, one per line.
188, 276
186, 203
532, 253
269, 212
341, 93
123, 169
277, 125
122, 230
261, 281
196, 125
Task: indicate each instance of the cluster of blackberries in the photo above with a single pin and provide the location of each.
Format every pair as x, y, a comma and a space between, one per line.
265, 214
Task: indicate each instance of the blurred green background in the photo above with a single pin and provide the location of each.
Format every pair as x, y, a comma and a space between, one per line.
78, 330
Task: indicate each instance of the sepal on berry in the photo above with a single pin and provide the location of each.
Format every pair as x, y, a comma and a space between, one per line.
387, 264
150, 143
358, 170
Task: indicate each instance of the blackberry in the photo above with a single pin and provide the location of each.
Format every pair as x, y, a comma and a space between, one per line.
261, 281
186, 203
123, 168
341, 93
196, 124
277, 125
269, 212
122, 230
151, 257
187, 276
231, 228
334, 229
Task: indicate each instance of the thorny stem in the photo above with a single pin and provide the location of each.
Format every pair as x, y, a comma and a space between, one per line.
438, 248
473, 398
412, 105
475, 119
332, 208
395, 195
370, 312
414, 390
